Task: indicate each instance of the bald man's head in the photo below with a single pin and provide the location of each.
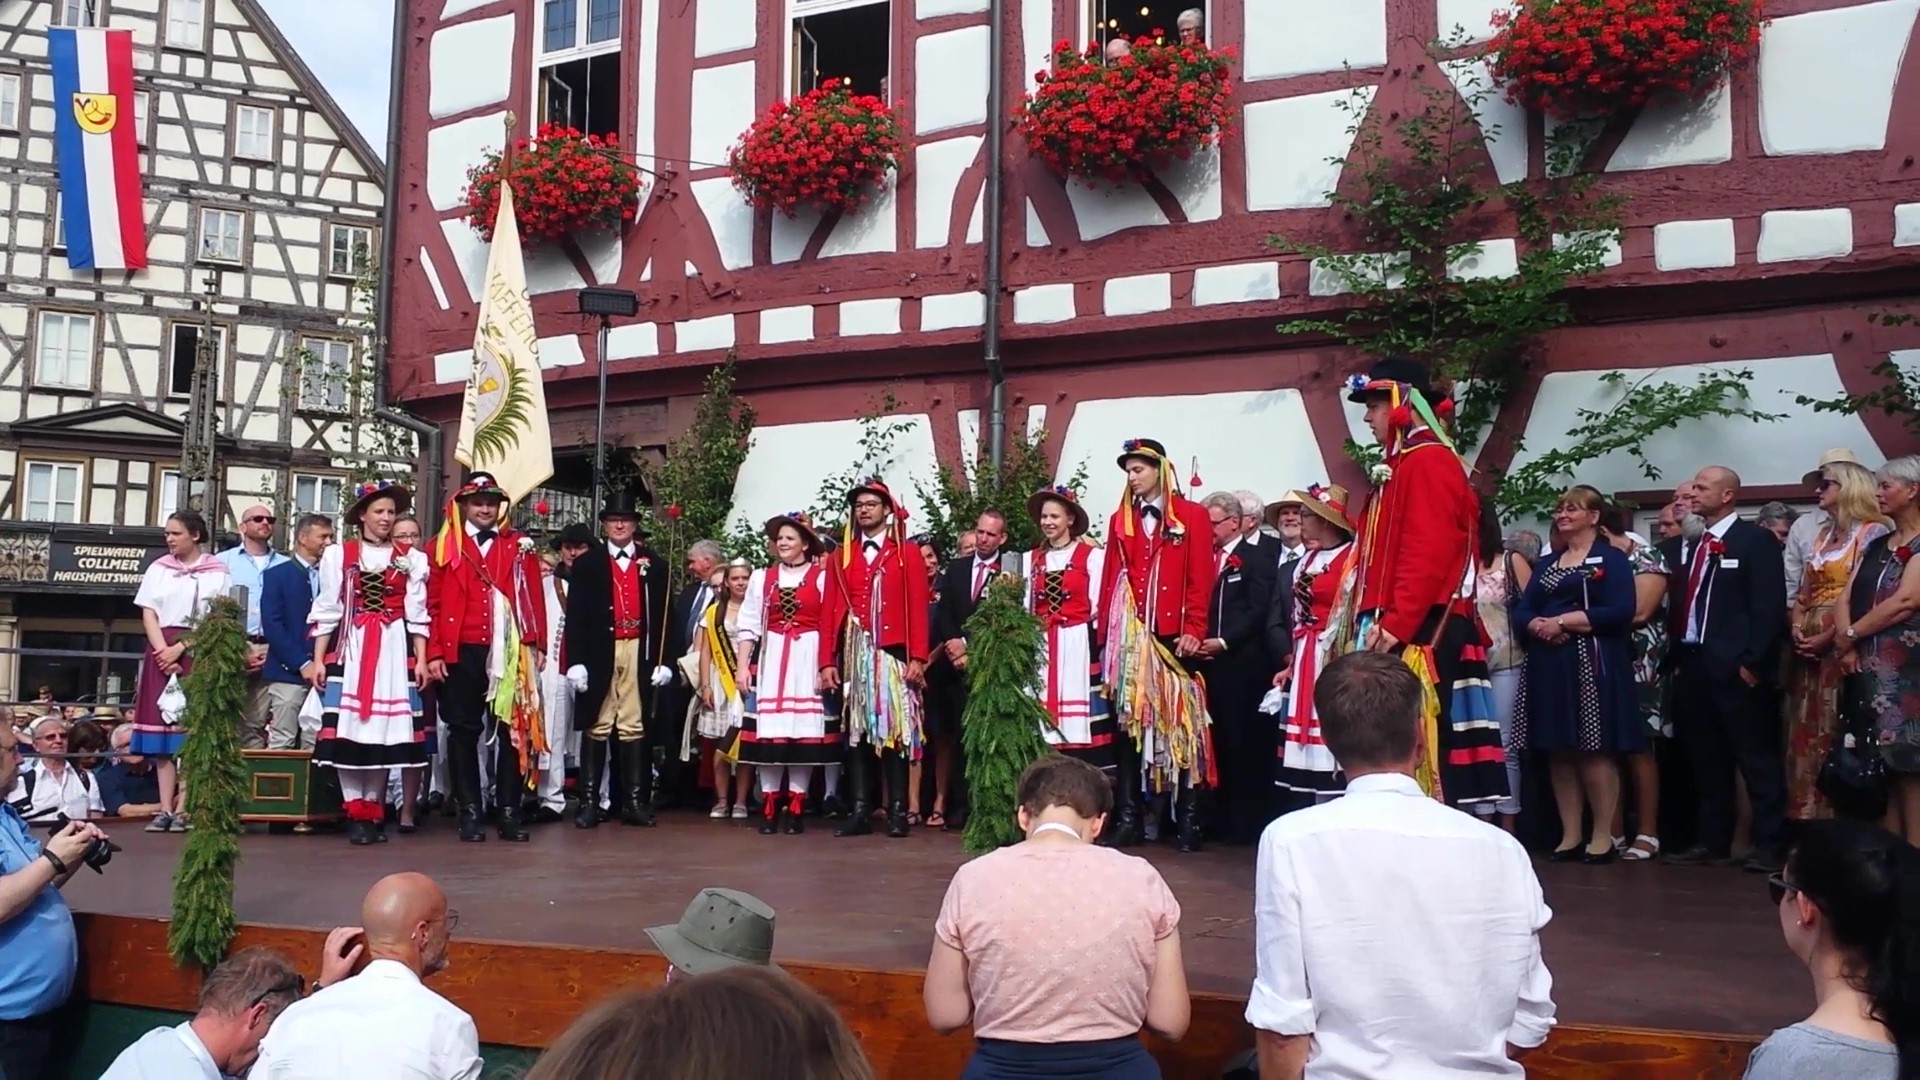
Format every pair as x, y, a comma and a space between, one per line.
405, 917
1715, 490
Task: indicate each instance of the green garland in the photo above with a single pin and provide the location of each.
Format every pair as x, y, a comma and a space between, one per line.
204, 922
1001, 733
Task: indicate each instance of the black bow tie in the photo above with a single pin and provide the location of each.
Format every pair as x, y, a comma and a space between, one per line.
872, 545
1149, 510
623, 554
484, 535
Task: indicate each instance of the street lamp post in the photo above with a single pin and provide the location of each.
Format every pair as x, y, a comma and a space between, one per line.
605, 304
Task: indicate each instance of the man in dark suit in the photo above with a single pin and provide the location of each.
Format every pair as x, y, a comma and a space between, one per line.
1726, 614
286, 598
680, 780
616, 638
1239, 669
962, 583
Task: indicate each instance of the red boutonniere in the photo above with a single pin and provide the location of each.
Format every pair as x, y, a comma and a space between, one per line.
1715, 546
1596, 573
1233, 562
1904, 552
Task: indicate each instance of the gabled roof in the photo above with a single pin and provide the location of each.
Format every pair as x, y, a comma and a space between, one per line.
122, 420
311, 85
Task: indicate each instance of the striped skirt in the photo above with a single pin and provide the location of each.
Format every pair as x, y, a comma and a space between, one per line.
1473, 760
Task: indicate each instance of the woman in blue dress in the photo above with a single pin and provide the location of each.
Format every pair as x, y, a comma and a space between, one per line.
1577, 700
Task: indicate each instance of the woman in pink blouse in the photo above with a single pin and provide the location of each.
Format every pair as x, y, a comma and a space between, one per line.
1056, 949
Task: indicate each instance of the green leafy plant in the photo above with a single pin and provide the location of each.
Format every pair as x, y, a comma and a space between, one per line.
1896, 394
1000, 735
693, 488
204, 922
880, 430
956, 498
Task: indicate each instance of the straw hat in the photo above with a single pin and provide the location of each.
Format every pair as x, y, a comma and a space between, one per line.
1329, 503
1832, 457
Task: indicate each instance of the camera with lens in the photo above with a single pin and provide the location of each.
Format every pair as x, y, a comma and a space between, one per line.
99, 852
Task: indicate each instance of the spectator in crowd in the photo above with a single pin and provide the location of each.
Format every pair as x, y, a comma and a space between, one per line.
286, 598
1239, 668
721, 928
1799, 543
966, 544
1668, 524
675, 711
247, 563
1285, 518
744, 1022
238, 1003
1059, 950
1577, 701
1503, 577
1526, 544
8, 718
719, 684
174, 593
86, 743
1777, 518
1879, 620
36, 930
1118, 49
126, 782
1252, 516
1846, 899
53, 786
1649, 644
1192, 24
1813, 684
382, 1021
1356, 966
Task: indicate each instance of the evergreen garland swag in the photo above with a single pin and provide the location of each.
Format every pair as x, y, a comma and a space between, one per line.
204, 923
1001, 733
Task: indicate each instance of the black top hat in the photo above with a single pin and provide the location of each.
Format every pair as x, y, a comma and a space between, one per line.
1148, 450
1404, 370
623, 503
576, 533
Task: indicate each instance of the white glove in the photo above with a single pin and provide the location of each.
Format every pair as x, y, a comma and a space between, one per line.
577, 677
662, 676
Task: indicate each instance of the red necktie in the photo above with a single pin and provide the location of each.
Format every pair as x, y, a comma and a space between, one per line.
1697, 574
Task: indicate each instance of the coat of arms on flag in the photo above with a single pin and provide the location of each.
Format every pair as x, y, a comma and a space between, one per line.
97, 154
503, 427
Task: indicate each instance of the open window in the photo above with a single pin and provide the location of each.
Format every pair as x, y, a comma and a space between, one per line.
183, 354
578, 84
1137, 19
843, 39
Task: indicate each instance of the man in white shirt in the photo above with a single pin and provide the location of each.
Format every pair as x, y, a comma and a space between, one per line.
238, 1003
53, 787
382, 1022
1396, 936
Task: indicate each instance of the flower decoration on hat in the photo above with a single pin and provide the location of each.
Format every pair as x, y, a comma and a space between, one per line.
368, 487
1062, 491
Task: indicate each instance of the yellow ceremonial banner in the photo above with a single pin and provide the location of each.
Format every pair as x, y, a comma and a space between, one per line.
503, 427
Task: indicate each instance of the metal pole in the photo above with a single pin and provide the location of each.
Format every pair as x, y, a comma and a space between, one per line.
600, 417
996, 138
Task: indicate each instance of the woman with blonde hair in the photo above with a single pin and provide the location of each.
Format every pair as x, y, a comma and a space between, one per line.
715, 671
1846, 493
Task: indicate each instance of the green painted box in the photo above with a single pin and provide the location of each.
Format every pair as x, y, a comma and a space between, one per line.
285, 785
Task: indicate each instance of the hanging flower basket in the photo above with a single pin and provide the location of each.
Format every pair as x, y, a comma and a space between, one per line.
564, 184
829, 148
1583, 58
1118, 121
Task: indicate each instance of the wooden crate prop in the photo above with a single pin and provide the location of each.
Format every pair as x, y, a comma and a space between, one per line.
285, 785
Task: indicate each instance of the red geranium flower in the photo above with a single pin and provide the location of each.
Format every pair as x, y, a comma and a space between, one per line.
829, 148
1904, 552
564, 183
1575, 58
1117, 121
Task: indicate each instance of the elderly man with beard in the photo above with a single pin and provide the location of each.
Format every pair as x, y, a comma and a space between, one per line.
1728, 612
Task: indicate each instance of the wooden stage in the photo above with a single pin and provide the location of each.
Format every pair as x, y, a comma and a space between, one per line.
1647, 952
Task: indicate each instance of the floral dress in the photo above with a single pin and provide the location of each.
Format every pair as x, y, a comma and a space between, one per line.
1649, 644
1889, 660
1813, 686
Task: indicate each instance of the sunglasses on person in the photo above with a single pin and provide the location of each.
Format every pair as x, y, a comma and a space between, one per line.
1779, 887
260, 519
292, 984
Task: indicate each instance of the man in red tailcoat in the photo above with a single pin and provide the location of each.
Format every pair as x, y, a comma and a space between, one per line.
1416, 553
1162, 542
484, 587
878, 605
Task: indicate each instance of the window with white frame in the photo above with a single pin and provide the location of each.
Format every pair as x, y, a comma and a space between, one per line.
63, 350
578, 79
52, 492
184, 353
1160, 21
169, 499
349, 250
76, 12
9, 102
59, 223
323, 495
253, 132
222, 232
850, 40
140, 106
187, 24
325, 366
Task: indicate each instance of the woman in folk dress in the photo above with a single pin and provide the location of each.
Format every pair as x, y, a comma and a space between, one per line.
173, 595
1063, 591
373, 597
787, 728
714, 668
1307, 767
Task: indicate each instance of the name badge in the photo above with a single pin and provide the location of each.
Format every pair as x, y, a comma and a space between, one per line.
1730, 564
1593, 560
1233, 577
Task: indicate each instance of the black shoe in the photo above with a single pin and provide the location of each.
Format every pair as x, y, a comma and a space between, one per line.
435, 801
859, 821
359, 833
634, 773
1699, 855
544, 815
955, 823
1598, 858
1126, 831
832, 808
407, 829
769, 814
1566, 854
897, 819
379, 832
1192, 831
511, 828
472, 829
796, 814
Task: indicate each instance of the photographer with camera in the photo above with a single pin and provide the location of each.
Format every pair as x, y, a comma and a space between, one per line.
39, 952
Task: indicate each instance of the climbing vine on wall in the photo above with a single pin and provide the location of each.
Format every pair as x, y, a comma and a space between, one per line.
956, 498
1896, 389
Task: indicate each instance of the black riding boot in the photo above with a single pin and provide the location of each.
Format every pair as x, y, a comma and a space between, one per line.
635, 773
593, 760
463, 775
1190, 820
1126, 796
860, 819
507, 791
796, 809
893, 765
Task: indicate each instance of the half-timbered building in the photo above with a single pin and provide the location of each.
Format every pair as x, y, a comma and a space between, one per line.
262, 208
1765, 227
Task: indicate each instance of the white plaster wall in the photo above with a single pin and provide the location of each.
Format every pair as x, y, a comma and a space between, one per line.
790, 234
1304, 37
730, 217
1043, 304
950, 70
454, 148
1475, 17
549, 270
1693, 245
1236, 284
722, 109
1195, 184
938, 167
784, 324
1289, 143
1789, 235
1138, 294
1260, 440
696, 335
470, 66
469, 256
1495, 259
1762, 453
953, 311
1826, 77
633, 340
1906, 225
561, 350
871, 228
933, 9
1036, 37
1502, 122
723, 26
1102, 210
1669, 134
865, 318
787, 462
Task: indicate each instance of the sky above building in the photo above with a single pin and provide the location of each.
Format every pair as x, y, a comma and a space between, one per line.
347, 44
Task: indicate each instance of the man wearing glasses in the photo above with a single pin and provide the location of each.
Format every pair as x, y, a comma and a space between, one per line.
247, 565
53, 787
383, 1021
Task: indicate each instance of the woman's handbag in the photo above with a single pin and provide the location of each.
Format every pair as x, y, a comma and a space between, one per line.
1853, 777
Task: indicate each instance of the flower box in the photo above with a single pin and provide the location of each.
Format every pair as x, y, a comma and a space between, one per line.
564, 183
1120, 120
830, 149
1586, 58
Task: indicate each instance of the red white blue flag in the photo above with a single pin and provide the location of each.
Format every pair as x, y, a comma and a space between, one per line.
97, 149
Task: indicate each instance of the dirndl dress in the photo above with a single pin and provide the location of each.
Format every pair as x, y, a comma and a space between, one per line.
787, 720
1062, 592
1306, 765
373, 598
